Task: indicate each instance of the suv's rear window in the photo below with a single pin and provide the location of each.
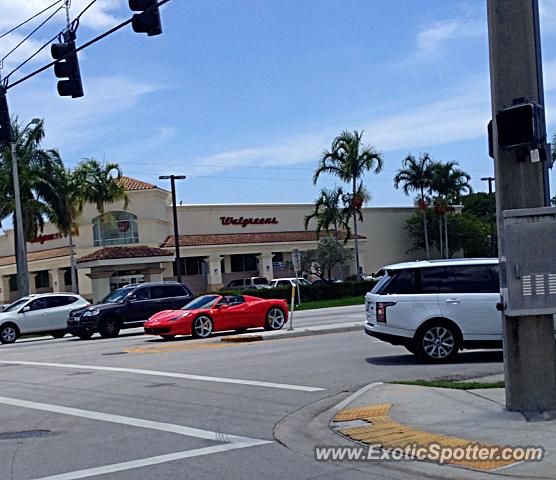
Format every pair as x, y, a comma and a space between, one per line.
397, 282
260, 281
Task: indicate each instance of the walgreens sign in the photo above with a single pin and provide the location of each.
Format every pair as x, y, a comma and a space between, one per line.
244, 221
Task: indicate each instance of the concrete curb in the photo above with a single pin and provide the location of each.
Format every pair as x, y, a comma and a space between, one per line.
301, 332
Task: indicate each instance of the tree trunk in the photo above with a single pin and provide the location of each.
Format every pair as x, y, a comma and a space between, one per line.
446, 235
425, 226
358, 268
73, 266
441, 235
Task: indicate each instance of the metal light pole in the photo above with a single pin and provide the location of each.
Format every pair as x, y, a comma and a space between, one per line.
490, 181
21, 251
173, 179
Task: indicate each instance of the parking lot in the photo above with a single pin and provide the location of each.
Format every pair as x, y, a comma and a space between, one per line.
137, 407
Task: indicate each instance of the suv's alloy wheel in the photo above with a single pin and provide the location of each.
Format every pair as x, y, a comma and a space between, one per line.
8, 334
436, 342
109, 328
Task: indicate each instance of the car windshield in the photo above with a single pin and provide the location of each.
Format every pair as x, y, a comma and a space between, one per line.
117, 296
18, 303
206, 301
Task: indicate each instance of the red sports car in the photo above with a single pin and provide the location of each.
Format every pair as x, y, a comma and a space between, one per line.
213, 313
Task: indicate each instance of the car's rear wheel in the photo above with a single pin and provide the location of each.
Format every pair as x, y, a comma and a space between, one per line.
109, 328
9, 333
437, 342
58, 333
275, 319
202, 327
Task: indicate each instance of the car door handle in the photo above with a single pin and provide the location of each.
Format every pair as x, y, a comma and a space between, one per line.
453, 301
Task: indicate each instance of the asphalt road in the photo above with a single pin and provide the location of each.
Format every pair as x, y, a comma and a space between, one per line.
136, 407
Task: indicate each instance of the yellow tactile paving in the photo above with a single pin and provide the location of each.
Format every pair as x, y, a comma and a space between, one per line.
362, 413
382, 430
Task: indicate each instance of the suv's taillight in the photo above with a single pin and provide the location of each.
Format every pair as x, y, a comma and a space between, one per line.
381, 310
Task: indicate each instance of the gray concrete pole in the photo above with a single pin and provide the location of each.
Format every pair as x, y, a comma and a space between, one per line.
21, 253
516, 72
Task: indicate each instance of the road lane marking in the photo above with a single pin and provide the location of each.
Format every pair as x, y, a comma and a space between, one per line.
122, 420
231, 442
158, 373
146, 462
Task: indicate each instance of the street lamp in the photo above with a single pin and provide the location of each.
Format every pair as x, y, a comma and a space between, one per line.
21, 251
173, 179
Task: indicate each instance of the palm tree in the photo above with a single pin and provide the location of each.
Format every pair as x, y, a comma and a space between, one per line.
415, 176
329, 213
448, 182
37, 185
89, 182
349, 159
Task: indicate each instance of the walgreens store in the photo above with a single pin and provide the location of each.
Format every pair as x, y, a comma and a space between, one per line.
218, 243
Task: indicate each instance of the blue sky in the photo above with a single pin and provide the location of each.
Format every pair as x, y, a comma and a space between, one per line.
242, 96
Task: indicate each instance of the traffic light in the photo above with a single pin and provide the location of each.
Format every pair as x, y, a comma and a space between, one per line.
67, 67
5, 124
148, 21
521, 126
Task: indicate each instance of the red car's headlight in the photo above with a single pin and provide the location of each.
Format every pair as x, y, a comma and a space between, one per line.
179, 317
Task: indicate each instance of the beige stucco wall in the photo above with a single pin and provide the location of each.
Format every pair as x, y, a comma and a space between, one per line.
387, 240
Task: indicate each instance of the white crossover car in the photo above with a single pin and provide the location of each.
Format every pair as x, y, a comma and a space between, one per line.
38, 313
435, 308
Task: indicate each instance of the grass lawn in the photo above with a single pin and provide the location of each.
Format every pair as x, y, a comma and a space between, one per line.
335, 302
451, 384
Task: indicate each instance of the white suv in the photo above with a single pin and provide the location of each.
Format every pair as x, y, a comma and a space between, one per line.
38, 313
435, 308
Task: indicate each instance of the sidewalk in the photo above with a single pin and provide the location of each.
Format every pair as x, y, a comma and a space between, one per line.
394, 416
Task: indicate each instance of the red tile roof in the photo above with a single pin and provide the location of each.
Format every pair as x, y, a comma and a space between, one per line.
131, 184
34, 256
241, 238
111, 253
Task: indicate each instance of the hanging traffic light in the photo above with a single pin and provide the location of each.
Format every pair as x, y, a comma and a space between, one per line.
148, 21
5, 124
67, 67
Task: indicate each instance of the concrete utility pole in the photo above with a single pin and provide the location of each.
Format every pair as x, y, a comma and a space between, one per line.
173, 179
516, 73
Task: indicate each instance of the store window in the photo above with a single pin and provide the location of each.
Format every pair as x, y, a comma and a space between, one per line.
115, 228
243, 263
42, 279
191, 266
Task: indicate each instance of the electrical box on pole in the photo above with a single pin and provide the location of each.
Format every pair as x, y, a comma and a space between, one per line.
530, 266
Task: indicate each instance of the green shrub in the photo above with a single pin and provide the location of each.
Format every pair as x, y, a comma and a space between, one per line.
312, 292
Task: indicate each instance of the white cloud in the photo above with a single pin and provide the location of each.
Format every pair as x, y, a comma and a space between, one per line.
435, 40
100, 15
548, 16
72, 123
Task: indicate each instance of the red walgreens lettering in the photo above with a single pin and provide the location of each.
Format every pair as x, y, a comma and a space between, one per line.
244, 221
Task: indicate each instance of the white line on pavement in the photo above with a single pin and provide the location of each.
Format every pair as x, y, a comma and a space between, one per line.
145, 462
122, 420
233, 442
158, 373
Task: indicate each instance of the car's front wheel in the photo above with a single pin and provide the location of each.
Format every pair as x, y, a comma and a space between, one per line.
437, 342
8, 333
109, 328
202, 327
275, 319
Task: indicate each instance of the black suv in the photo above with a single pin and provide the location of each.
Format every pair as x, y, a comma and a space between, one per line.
127, 307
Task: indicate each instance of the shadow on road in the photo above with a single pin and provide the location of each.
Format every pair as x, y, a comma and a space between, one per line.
493, 356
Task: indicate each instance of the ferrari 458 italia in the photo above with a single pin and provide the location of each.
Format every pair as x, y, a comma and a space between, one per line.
214, 313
